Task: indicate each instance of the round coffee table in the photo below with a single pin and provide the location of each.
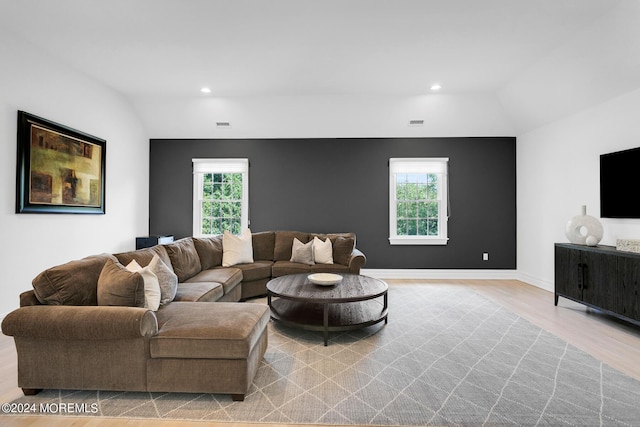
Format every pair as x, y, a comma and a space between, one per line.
353, 303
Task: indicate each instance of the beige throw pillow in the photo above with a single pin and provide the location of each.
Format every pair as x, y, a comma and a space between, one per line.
322, 251
302, 252
237, 249
151, 285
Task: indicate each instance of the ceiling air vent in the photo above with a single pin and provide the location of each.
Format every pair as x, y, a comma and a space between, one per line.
416, 122
223, 125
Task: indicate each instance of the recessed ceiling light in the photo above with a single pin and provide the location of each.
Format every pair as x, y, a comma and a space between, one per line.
436, 87
205, 90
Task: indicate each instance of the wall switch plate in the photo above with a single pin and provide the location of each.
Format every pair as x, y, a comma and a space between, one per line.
485, 256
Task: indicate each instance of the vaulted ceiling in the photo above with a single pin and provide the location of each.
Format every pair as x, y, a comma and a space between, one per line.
521, 51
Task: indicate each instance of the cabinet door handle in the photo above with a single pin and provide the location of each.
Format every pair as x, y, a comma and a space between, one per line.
580, 276
585, 276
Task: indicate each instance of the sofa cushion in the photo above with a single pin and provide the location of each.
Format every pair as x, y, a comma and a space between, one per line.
228, 277
209, 251
302, 252
144, 256
237, 249
342, 249
184, 258
282, 268
263, 244
222, 330
73, 283
255, 271
330, 268
119, 286
199, 291
284, 243
167, 279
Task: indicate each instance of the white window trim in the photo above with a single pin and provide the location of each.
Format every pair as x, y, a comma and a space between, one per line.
202, 166
437, 165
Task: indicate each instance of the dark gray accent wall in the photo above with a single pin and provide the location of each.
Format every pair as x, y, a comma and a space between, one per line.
339, 185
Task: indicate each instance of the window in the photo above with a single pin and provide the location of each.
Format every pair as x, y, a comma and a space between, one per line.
418, 196
220, 196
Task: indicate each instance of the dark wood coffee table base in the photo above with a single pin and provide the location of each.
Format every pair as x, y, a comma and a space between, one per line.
325, 310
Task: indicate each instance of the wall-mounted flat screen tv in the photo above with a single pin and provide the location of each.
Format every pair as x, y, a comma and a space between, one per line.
620, 184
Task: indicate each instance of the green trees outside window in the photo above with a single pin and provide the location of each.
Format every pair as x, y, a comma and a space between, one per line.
417, 204
221, 205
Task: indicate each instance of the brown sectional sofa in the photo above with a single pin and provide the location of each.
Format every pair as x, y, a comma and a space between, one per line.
64, 339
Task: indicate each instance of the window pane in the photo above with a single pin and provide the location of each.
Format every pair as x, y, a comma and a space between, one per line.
236, 209
401, 209
236, 188
401, 227
401, 192
412, 209
206, 225
423, 227
432, 210
235, 226
217, 191
216, 226
422, 209
412, 227
422, 192
432, 227
207, 190
225, 209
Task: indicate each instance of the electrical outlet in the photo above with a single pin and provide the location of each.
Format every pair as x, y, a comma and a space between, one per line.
485, 256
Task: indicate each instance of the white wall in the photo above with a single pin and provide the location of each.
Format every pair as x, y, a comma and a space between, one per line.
558, 171
331, 116
598, 63
34, 82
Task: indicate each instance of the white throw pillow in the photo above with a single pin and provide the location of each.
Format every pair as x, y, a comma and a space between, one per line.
302, 252
151, 285
237, 249
322, 251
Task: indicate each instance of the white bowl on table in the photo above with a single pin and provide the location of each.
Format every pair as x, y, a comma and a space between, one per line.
324, 279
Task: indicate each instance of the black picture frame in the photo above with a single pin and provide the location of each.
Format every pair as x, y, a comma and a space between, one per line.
60, 169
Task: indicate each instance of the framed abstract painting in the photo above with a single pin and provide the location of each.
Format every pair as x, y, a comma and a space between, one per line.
60, 170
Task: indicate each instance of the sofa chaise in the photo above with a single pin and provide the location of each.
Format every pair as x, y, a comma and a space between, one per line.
85, 324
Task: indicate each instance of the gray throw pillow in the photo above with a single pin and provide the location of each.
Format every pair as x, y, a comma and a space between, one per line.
166, 278
302, 252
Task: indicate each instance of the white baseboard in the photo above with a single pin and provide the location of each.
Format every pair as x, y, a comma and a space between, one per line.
438, 274
537, 281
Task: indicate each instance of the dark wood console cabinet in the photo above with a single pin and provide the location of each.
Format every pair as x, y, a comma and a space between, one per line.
600, 277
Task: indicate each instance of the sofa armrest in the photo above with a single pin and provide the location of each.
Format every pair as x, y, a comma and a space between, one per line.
80, 322
357, 261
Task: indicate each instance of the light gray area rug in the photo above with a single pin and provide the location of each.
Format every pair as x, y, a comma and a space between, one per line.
447, 357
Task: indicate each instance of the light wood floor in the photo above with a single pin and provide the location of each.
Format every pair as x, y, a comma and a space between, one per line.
614, 342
